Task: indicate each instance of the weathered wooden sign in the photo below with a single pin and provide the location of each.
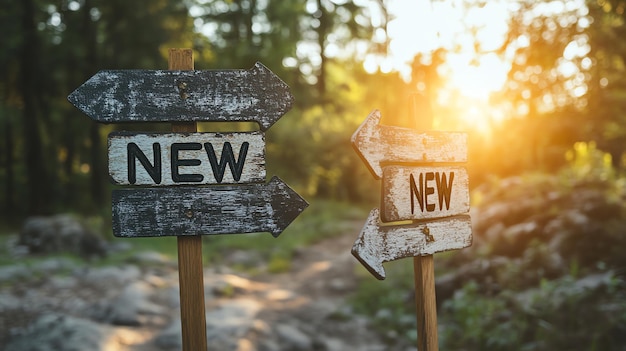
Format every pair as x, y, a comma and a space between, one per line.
179, 159
378, 243
165, 163
379, 145
226, 209
423, 192
255, 95
161, 159
420, 183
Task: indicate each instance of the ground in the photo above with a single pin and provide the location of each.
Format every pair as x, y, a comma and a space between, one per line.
134, 306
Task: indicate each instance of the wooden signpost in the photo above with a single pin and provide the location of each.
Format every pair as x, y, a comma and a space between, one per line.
193, 183
422, 182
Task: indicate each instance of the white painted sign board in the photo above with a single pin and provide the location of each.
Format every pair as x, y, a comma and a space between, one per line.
163, 159
414, 193
379, 243
380, 144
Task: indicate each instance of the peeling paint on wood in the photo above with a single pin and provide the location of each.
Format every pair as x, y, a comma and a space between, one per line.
186, 158
377, 244
256, 95
413, 193
218, 209
378, 145
421, 183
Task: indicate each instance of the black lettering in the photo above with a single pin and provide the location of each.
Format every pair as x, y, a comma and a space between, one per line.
154, 169
428, 191
176, 162
228, 157
444, 189
416, 194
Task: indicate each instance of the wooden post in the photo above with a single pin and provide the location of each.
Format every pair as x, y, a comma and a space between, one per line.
426, 303
190, 272
423, 266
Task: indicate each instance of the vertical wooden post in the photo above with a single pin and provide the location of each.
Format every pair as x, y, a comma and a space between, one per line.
427, 338
190, 273
423, 266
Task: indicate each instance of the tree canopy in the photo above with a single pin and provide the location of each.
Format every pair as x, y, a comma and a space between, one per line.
565, 83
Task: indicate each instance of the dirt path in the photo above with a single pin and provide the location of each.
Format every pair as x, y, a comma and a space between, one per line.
322, 278
134, 306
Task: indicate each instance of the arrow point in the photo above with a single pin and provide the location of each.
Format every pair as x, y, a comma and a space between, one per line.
279, 99
375, 268
76, 98
86, 97
366, 141
368, 246
286, 204
368, 127
261, 68
72, 98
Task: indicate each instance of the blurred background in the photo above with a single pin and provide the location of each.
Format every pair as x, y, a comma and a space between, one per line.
539, 86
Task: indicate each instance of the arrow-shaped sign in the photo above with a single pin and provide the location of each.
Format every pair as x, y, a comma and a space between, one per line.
377, 244
176, 211
256, 95
378, 144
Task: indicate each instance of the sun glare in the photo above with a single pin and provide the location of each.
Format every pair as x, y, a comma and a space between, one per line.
470, 35
423, 26
477, 78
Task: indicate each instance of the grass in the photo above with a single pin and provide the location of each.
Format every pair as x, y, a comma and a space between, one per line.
321, 220
389, 303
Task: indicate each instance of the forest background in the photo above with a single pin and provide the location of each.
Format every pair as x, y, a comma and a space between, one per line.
563, 82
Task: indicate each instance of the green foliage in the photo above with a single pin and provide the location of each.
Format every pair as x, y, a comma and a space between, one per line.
279, 264
564, 314
565, 271
321, 220
586, 163
389, 303
472, 321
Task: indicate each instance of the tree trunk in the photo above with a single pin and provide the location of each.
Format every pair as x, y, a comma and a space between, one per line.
96, 165
96, 169
9, 203
322, 32
35, 170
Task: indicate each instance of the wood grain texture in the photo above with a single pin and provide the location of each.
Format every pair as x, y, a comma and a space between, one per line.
424, 269
256, 94
423, 266
377, 243
224, 209
253, 161
403, 188
378, 145
190, 271
191, 292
